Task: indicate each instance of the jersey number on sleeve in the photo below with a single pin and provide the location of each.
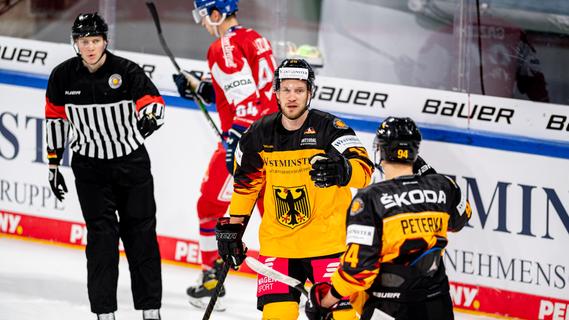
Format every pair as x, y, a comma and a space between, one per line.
352, 255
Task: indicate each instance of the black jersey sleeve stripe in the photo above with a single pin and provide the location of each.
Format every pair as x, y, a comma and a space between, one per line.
129, 131
111, 136
121, 150
133, 121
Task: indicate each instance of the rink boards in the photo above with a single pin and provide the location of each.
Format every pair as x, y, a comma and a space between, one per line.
511, 158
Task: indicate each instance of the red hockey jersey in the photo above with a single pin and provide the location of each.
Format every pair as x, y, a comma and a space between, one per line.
242, 68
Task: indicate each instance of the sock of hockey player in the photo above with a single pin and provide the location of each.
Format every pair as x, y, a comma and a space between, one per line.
208, 244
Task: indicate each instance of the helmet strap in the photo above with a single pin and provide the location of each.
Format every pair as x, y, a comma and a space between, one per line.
216, 25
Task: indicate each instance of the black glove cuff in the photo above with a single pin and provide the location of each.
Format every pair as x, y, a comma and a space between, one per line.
206, 92
54, 156
347, 175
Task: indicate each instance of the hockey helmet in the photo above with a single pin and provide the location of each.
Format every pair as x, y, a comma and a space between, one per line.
397, 140
203, 8
294, 69
89, 24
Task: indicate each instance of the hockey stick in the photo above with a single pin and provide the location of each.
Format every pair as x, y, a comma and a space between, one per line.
220, 281
261, 268
193, 81
216, 291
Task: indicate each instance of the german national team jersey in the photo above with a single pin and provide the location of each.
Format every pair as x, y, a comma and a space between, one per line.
391, 225
98, 111
242, 68
300, 219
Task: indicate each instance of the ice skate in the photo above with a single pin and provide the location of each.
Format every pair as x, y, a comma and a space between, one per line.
106, 316
203, 291
151, 314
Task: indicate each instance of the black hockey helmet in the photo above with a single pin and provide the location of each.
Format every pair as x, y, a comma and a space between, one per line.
397, 140
89, 24
294, 69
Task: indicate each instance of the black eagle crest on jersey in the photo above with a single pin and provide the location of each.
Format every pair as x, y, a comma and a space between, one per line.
292, 206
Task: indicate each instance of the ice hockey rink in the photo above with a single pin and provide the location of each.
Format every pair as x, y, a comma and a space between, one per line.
43, 281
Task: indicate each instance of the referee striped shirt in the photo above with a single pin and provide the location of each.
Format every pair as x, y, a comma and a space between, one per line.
97, 113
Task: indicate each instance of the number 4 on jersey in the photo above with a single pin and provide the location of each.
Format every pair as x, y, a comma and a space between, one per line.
351, 255
265, 72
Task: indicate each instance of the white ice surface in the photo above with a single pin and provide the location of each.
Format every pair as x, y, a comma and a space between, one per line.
48, 282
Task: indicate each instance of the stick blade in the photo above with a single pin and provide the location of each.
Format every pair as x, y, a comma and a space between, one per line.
261, 268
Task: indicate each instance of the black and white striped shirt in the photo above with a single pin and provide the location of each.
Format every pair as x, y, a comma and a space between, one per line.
98, 112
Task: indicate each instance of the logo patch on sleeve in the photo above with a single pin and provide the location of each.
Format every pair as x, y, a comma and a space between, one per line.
345, 142
339, 124
360, 234
356, 207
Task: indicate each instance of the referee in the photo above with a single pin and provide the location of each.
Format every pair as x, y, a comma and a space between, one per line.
106, 105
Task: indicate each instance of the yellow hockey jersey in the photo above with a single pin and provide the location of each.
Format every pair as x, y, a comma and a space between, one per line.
300, 219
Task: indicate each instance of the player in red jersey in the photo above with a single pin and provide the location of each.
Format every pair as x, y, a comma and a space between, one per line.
242, 68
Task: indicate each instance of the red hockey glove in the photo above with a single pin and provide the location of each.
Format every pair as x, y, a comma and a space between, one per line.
313, 308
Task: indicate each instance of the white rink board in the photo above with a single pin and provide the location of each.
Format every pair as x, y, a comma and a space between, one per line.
178, 172
362, 98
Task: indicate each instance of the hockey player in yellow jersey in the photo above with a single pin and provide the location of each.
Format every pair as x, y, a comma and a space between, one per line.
307, 160
396, 235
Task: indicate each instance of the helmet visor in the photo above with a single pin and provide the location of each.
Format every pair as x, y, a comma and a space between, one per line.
199, 14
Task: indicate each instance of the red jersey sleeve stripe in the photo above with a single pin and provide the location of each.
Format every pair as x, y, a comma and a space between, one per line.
53, 111
148, 99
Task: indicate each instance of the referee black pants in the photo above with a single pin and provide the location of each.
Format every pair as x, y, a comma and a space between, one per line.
106, 187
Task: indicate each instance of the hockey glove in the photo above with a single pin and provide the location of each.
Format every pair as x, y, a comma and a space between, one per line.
233, 137
57, 183
313, 308
147, 124
330, 170
229, 245
204, 90
421, 168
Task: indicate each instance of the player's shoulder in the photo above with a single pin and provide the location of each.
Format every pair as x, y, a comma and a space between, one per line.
259, 132
441, 180
250, 31
221, 52
265, 124
242, 33
69, 65
118, 62
327, 119
365, 192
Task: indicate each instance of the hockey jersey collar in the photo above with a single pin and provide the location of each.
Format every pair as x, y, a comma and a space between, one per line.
233, 29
